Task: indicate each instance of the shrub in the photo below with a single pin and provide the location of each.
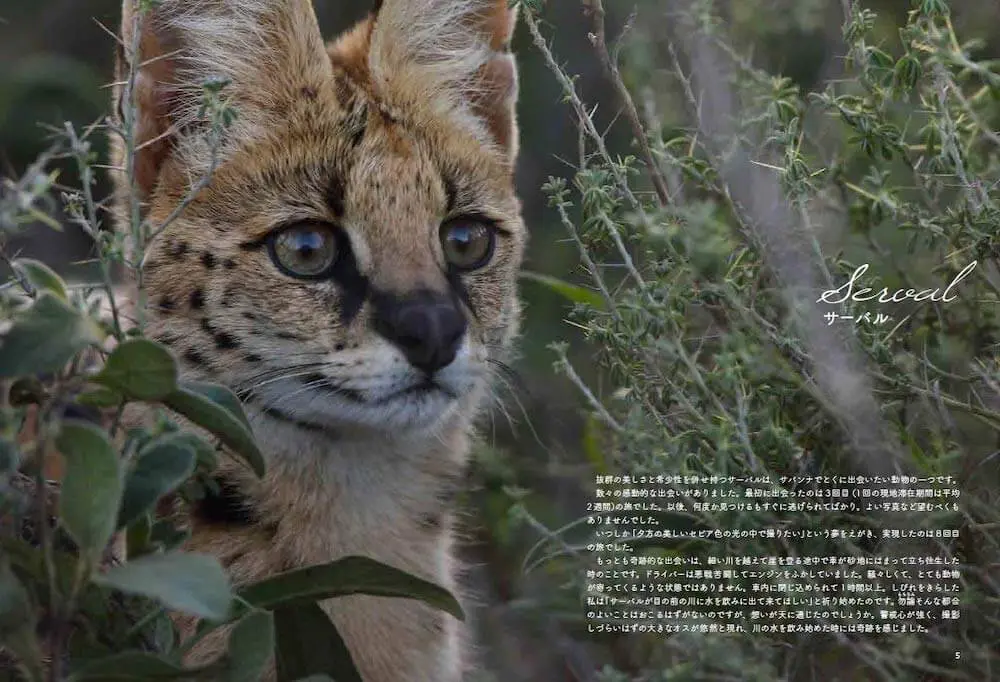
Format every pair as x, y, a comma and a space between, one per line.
706, 254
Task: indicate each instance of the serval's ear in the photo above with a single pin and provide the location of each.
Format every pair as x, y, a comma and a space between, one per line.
269, 52
453, 54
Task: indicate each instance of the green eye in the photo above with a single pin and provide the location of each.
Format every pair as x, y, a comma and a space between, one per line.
468, 244
306, 251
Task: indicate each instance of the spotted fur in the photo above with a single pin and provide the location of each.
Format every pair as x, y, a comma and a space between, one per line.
402, 123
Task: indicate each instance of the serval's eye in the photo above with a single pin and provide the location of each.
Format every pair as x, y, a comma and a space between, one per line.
305, 250
468, 243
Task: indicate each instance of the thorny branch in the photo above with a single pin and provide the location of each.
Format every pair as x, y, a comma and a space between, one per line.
609, 61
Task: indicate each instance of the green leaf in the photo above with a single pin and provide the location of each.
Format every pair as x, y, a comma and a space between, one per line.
92, 485
41, 276
308, 644
571, 292
166, 534
45, 337
137, 538
129, 665
100, 398
185, 581
251, 647
217, 419
141, 369
161, 466
207, 456
350, 575
221, 395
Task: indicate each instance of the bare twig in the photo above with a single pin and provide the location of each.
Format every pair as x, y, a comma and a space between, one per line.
581, 385
89, 222
595, 8
587, 124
